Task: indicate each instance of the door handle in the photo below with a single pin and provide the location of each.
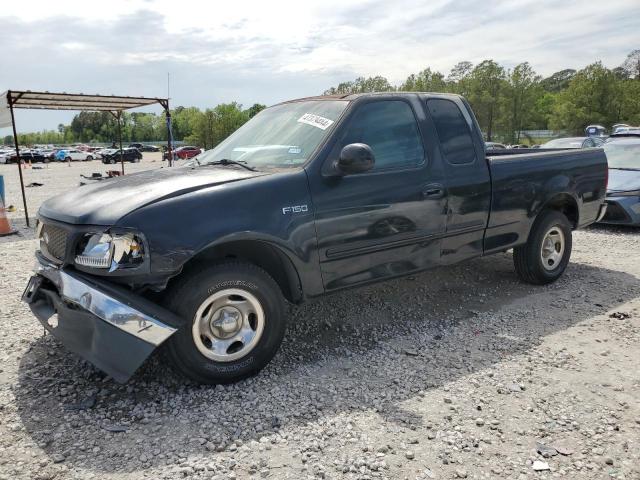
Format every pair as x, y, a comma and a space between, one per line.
433, 190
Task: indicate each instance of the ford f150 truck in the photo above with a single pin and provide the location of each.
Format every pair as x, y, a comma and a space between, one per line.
309, 197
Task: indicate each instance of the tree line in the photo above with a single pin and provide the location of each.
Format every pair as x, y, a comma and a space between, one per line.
204, 128
506, 101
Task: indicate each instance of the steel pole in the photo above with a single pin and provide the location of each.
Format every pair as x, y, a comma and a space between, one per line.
118, 116
169, 152
15, 141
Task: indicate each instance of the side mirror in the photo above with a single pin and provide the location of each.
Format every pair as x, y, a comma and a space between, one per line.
355, 158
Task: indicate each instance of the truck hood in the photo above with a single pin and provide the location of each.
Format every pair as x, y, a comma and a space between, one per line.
105, 202
623, 180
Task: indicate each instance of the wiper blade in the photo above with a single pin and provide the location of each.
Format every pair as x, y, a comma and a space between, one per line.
226, 161
625, 168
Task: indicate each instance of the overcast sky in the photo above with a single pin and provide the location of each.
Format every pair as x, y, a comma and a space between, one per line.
268, 51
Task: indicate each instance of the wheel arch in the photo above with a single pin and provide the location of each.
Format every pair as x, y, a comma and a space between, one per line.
265, 255
564, 203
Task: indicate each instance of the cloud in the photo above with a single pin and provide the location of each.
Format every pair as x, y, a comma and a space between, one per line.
266, 52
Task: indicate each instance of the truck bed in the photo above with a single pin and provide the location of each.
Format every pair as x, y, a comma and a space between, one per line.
523, 181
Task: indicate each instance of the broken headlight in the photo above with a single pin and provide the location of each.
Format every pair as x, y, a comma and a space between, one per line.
110, 251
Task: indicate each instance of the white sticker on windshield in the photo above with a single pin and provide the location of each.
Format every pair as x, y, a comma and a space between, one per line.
315, 121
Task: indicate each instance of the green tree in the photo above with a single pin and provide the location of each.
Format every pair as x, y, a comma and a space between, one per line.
632, 64
630, 111
255, 109
486, 83
521, 92
362, 85
558, 81
425, 81
229, 117
458, 78
594, 95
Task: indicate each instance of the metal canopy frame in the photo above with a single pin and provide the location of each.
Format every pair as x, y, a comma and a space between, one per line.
80, 102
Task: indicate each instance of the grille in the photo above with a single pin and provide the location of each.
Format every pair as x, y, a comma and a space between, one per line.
615, 213
53, 241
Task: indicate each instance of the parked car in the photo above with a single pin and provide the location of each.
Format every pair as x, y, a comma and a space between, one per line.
33, 156
595, 131
620, 127
73, 154
631, 132
184, 152
26, 156
309, 197
49, 153
623, 191
128, 155
574, 142
494, 146
145, 148
6, 155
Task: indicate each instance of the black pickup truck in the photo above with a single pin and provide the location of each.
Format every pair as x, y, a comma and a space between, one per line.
309, 197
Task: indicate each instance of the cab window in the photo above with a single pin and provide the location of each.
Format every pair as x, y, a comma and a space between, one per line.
389, 127
453, 131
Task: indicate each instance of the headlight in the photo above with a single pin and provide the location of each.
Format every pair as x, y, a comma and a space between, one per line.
110, 251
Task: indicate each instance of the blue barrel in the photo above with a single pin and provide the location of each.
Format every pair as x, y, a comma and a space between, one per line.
2, 190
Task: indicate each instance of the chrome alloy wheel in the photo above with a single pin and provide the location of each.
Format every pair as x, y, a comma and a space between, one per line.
228, 325
552, 250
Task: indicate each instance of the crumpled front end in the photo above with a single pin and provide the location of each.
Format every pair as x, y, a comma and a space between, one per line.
107, 325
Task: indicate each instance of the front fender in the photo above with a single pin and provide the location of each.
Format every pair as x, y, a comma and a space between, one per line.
255, 209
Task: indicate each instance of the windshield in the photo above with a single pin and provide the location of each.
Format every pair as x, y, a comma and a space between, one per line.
574, 142
281, 136
623, 154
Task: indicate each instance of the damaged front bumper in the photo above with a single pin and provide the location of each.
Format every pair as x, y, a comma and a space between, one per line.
107, 325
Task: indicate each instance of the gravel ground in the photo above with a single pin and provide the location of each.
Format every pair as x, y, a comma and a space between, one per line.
462, 372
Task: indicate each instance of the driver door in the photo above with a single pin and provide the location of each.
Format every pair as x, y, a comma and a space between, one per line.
387, 221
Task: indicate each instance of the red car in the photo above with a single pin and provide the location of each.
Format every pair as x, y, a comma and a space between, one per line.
184, 153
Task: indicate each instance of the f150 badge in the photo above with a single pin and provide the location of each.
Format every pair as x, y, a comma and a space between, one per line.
295, 209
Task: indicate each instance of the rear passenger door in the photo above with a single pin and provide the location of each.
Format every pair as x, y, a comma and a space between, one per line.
467, 178
386, 221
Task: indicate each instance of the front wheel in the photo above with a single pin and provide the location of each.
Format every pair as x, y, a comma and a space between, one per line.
544, 258
234, 318
89, 158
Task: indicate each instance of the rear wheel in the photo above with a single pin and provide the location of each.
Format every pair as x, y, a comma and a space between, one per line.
89, 158
234, 322
67, 159
546, 254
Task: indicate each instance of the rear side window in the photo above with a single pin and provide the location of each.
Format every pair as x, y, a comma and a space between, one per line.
389, 128
453, 131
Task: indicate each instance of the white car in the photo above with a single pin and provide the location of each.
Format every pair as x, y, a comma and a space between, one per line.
5, 155
75, 154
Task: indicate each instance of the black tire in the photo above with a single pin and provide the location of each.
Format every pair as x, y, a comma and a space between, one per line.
528, 259
89, 158
188, 294
112, 161
67, 159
